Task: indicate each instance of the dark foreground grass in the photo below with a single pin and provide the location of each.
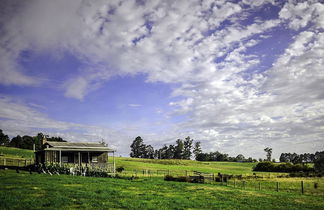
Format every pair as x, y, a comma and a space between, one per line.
40, 191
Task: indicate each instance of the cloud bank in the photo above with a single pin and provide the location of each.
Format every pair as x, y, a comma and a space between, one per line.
236, 96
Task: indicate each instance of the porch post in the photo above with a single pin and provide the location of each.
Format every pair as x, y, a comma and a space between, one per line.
79, 158
60, 158
114, 170
88, 157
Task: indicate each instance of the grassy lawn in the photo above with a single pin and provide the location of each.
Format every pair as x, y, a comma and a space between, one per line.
182, 165
36, 191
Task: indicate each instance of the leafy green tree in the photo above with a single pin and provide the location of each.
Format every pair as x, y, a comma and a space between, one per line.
170, 152
319, 162
268, 150
137, 147
197, 149
187, 146
178, 151
149, 152
4, 139
240, 158
27, 142
16, 142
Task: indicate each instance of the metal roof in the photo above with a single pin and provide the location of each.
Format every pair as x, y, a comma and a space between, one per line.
82, 146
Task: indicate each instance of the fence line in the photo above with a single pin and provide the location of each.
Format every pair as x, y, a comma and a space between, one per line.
4, 161
258, 183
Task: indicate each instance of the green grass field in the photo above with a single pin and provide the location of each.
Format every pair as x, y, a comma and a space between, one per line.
11, 152
35, 191
150, 191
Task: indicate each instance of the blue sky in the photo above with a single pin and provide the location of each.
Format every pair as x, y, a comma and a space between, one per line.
238, 76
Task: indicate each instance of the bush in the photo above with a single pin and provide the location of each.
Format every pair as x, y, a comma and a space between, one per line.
282, 167
177, 179
120, 169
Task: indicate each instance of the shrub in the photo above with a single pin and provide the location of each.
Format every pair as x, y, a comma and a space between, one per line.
169, 178
282, 167
120, 169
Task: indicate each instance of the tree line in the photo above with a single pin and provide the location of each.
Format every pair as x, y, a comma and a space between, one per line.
182, 149
299, 158
26, 142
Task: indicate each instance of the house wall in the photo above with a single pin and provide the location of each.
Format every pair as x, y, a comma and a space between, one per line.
103, 158
73, 157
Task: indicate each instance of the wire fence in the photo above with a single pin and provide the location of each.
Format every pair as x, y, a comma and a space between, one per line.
4, 161
268, 182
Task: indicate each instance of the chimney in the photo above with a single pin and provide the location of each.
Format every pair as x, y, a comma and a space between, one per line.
43, 140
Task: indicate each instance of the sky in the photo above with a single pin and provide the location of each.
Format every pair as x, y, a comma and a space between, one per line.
238, 76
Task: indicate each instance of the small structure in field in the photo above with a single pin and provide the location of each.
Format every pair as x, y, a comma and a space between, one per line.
76, 154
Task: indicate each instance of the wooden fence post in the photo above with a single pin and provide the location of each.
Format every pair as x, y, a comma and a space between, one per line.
302, 187
277, 187
4, 161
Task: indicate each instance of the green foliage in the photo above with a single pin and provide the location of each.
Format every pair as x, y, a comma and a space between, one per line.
319, 162
197, 149
187, 147
120, 169
282, 167
177, 179
141, 150
268, 150
4, 139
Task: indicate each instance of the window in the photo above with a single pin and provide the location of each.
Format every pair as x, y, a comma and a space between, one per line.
94, 158
65, 159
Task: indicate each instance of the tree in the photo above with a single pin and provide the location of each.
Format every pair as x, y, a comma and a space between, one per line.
27, 142
284, 157
240, 158
170, 152
137, 147
269, 152
4, 139
319, 162
16, 142
187, 148
197, 149
149, 152
178, 151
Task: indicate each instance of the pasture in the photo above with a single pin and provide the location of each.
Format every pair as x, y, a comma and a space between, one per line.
34, 191
148, 190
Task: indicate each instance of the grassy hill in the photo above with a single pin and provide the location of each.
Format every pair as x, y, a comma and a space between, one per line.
180, 166
12, 152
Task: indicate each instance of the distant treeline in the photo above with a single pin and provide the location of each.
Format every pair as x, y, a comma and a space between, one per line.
295, 163
182, 149
298, 158
26, 142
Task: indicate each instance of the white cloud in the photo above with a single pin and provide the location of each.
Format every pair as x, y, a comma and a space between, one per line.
20, 119
200, 45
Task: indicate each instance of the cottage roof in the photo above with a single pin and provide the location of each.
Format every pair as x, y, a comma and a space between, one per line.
76, 146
